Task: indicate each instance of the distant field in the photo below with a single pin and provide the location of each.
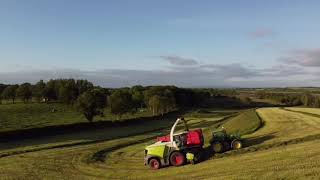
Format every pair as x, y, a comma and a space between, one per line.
284, 125
33, 115
285, 147
315, 111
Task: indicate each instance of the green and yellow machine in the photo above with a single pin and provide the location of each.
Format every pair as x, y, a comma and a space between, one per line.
176, 148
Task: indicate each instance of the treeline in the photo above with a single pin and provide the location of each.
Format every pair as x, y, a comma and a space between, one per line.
64, 90
292, 99
91, 100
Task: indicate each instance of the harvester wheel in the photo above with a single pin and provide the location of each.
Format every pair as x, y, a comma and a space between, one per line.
177, 158
198, 155
154, 163
217, 147
236, 144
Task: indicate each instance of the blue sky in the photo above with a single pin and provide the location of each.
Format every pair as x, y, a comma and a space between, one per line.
184, 43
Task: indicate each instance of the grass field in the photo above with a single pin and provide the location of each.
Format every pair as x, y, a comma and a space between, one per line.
315, 111
247, 122
285, 147
35, 115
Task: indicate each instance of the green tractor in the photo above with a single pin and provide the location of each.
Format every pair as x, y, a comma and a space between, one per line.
176, 148
221, 141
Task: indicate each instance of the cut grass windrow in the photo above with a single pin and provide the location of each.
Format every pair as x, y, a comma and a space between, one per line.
268, 146
302, 112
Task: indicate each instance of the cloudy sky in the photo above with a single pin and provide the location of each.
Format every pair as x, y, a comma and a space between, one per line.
192, 43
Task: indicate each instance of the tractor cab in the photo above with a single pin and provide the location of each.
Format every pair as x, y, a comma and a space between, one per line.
219, 134
222, 141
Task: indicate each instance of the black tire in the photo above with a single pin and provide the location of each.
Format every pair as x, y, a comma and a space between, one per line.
226, 146
154, 163
177, 158
198, 155
236, 144
217, 147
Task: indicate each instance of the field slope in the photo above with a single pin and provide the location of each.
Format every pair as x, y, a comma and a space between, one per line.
37, 115
286, 147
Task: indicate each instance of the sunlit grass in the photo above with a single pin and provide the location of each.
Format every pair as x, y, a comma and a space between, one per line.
124, 156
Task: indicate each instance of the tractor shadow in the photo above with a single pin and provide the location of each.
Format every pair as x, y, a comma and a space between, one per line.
253, 141
248, 144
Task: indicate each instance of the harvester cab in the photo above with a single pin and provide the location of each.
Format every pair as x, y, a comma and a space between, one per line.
176, 148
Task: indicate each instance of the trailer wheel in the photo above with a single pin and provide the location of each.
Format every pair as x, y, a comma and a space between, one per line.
236, 144
154, 163
177, 158
217, 147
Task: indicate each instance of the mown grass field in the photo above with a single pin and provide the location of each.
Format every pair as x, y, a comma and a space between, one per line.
37, 115
314, 111
285, 147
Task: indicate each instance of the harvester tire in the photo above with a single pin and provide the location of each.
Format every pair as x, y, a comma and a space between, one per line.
177, 158
154, 163
217, 147
198, 155
236, 144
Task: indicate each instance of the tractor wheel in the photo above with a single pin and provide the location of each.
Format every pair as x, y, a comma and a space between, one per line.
226, 146
217, 147
177, 158
154, 163
236, 144
198, 155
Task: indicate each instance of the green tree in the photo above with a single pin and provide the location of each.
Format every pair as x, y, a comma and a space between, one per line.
160, 99
50, 92
137, 97
100, 97
161, 104
120, 102
38, 90
24, 92
88, 106
65, 95
307, 100
83, 86
154, 104
10, 93
68, 92
2, 87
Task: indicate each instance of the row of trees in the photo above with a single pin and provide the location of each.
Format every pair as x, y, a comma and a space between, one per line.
91, 100
292, 99
12, 92
64, 90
